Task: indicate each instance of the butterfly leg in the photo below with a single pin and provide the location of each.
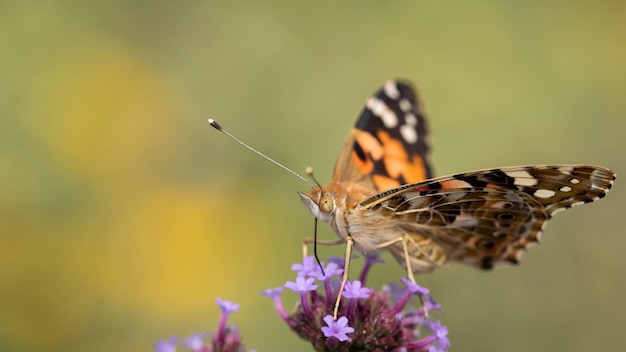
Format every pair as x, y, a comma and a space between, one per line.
309, 240
344, 277
349, 243
402, 239
405, 239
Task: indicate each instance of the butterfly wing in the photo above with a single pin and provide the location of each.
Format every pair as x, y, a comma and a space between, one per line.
486, 217
388, 146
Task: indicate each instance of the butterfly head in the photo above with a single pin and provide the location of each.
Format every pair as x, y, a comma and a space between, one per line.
320, 203
333, 202
328, 205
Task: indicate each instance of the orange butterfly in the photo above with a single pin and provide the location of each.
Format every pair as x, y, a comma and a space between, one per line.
382, 194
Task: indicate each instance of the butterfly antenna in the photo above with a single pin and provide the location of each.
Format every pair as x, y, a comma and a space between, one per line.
219, 128
309, 172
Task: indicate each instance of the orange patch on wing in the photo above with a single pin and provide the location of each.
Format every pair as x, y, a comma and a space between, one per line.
398, 163
365, 166
369, 144
420, 189
455, 184
384, 182
415, 170
372, 149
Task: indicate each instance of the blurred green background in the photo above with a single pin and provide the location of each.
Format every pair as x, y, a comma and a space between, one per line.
123, 214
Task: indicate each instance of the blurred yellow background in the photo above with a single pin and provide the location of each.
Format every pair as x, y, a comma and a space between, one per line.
123, 214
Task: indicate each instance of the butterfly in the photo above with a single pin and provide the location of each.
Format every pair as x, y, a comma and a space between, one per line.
383, 195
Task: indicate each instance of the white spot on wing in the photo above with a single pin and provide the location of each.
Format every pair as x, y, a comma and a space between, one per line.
380, 109
410, 119
464, 221
565, 189
522, 178
391, 89
500, 205
574, 181
408, 133
544, 193
520, 252
405, 105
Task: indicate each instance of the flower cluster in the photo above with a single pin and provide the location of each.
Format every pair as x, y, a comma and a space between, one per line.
368, 320
225, 339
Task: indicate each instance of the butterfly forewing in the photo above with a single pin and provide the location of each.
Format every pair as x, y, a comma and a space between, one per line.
388, 145
489, 216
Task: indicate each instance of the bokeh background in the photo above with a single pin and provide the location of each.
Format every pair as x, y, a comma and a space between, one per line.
123, 215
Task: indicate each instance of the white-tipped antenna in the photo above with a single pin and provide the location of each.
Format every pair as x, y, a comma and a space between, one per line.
309, 172
219, 128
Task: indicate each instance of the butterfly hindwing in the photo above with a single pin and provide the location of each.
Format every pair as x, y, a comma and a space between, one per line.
388, 145
489, 216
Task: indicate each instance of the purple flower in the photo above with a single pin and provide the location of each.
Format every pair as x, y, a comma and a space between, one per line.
337, 328
354, 290
373, 258
195, 341
394, 290
274, 294
415, 288
441, 334
307, 268
302, 285
225, 339
431, 304
332, 269
227, 307
166, 345
371, 320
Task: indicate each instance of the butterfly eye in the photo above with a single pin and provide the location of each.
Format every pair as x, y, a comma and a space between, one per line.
327, 204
